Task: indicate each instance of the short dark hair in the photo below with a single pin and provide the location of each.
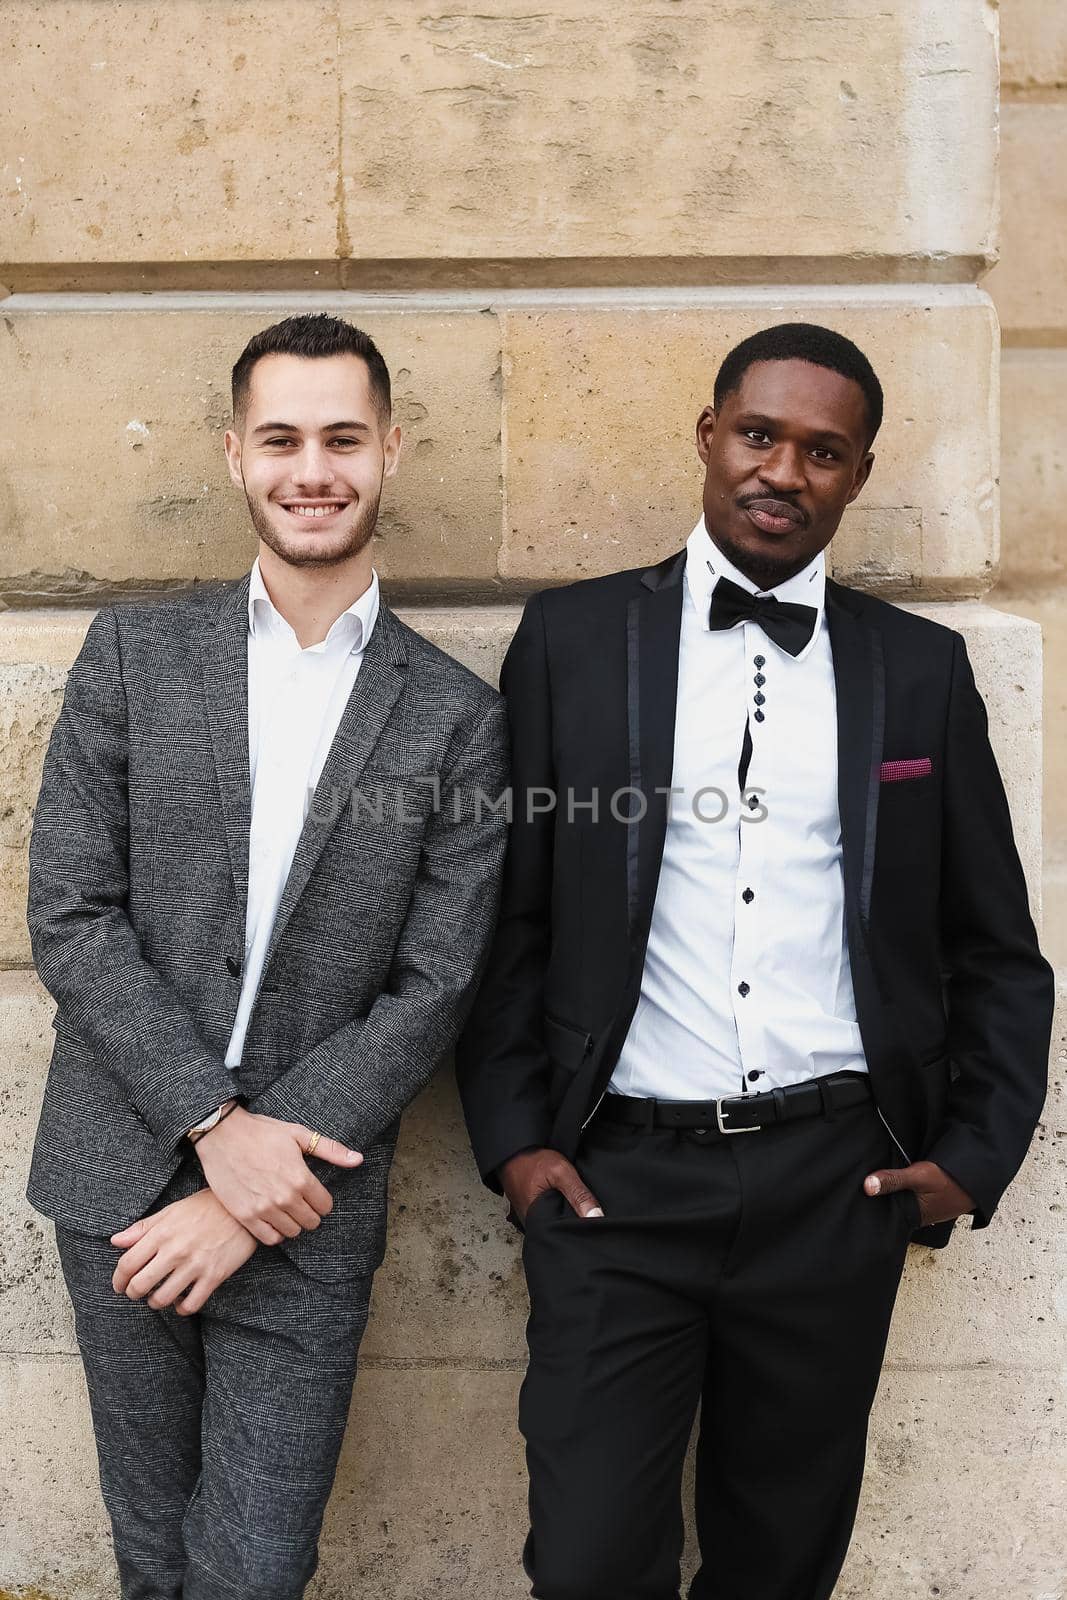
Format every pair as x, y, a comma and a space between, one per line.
803, 341
312, 336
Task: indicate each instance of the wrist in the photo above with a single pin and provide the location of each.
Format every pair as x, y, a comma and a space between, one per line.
197, 1132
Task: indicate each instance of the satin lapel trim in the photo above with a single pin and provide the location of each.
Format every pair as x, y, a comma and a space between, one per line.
224, 664
375, 692
859, 679
653, 628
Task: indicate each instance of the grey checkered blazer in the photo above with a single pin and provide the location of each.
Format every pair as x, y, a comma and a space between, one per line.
138, 884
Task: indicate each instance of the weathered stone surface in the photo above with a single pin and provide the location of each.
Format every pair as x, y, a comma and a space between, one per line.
430, 1494
137, 493
546, 134
591, 450
1030, 283
213, 131
34, 647
1046, 605
602, 403
1033, 44
1033, 388
329, 130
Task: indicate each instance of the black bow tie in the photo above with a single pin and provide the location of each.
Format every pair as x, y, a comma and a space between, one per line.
789, 625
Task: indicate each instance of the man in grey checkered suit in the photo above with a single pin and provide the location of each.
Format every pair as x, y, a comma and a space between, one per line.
263, 877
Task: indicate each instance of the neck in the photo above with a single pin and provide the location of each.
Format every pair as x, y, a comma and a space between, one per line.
765, 572
311, 598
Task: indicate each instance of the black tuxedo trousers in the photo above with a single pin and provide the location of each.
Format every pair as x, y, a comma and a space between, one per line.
749, 1275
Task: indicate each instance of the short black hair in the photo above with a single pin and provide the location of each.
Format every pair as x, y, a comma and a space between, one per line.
313, 335
803, 341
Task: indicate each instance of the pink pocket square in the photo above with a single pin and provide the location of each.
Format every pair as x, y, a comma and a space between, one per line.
900, 771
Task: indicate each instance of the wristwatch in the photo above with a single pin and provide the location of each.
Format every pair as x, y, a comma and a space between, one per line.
208, 1123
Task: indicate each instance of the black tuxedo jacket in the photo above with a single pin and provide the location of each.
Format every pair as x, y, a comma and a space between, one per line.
954, 999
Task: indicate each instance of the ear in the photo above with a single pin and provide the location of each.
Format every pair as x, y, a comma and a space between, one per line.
232, 445
391, 448
706, 424
863, 472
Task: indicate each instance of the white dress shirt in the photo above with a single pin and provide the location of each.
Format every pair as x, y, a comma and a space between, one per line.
295, 701
747, 985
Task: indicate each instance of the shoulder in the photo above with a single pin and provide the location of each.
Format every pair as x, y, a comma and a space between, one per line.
174, 616
440, 677
592, 598
901, 627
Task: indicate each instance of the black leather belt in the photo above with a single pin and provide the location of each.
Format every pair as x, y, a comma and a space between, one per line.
745, 1113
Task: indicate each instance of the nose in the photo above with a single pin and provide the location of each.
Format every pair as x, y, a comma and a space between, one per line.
783, 470
312, 471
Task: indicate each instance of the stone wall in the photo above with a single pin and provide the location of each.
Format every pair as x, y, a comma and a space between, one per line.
1030, 289
555, 222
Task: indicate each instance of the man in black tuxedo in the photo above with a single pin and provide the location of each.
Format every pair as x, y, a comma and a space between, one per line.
765, 1002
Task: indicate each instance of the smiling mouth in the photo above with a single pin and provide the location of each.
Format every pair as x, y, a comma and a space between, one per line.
309, 510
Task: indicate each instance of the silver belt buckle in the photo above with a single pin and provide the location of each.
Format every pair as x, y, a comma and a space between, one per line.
721, 1116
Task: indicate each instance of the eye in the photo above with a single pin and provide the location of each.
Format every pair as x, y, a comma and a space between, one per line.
343, 444
824, 454
275, 444
755, 435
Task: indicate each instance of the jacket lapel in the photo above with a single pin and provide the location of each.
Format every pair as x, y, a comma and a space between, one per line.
224, 663
653, 628
859, 677
381, 679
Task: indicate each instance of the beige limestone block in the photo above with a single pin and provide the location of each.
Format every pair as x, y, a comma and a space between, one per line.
1046, 605
1030, 283
1033, 392
177, 132
964, 1490
257, 132
601, 404
670, 131
1033, 44
112, 474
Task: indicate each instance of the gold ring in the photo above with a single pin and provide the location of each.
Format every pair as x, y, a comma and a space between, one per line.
315, 1137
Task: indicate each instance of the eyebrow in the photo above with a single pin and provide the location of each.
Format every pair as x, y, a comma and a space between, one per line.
748, 419
331, 427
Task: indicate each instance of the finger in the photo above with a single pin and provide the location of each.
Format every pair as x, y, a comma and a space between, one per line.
132, 1261
166, 1292
317, 1195
328, 1150
890, 1179
262, 1230
278, 1218
142, 1283
304, 1215
197, 1297
578, 1197
130, 1235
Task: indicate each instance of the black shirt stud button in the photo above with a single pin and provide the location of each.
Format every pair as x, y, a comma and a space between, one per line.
759, 661
748, 896
759, 698
759, 680
758, 715
754, 1075
742, 988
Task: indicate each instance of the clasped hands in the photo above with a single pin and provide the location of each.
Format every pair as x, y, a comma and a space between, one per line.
260, 1190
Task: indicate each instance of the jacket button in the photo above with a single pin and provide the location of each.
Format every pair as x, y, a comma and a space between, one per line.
233, 965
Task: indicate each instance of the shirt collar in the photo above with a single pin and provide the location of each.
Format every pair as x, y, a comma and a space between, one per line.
705, 564
357, 621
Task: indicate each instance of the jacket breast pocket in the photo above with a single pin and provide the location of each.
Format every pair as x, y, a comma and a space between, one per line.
567, 1046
